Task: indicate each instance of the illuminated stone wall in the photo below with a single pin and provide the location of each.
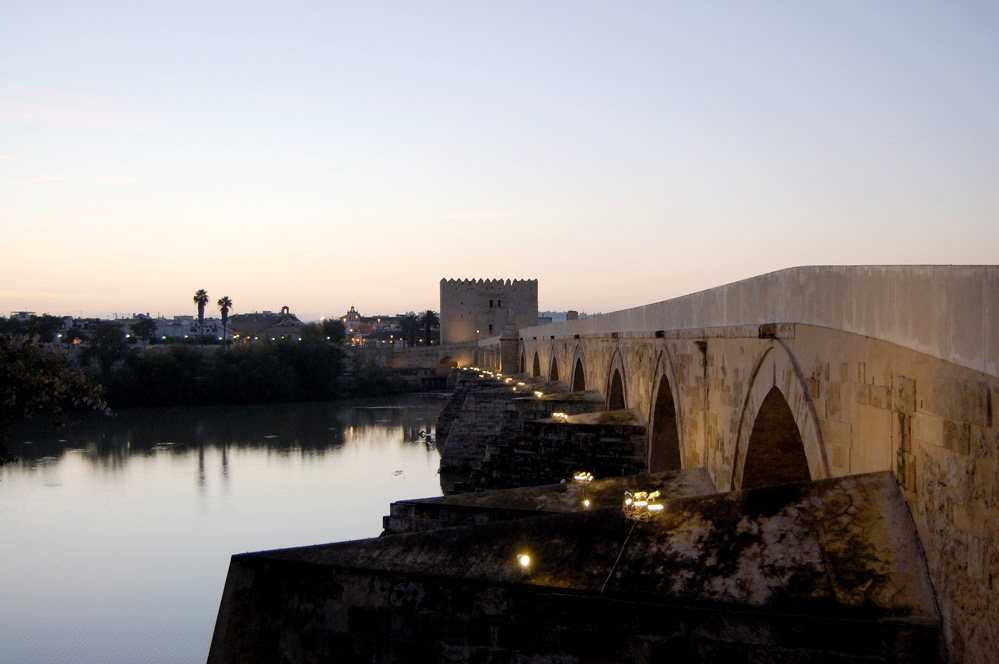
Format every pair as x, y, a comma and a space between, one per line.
479, 309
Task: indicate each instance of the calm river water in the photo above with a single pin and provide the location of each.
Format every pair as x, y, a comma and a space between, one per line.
116, 533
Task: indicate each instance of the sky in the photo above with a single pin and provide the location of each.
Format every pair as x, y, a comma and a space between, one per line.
319, 155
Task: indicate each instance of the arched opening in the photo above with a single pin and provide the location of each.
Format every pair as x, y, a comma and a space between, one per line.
776, 453
536, 371
523, 359
446, 364
615, 400
553, 374
578, 379
664, 445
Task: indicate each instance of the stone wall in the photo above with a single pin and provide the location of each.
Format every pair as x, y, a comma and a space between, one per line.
860, 404
821, 572
484, 413
478, 309
606, 444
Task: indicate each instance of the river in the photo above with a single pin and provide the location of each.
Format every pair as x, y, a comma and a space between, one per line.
116, 533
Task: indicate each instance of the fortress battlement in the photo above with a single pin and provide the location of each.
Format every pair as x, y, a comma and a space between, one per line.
487, 282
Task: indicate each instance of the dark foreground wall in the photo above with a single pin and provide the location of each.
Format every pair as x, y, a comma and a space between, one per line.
827, 571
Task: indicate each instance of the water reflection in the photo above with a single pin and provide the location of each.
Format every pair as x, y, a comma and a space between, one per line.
285, 429
118, 532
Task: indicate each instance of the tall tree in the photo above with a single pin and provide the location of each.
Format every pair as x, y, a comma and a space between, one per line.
410, 324
334, 330
107, 346
34, 379
429, 320
145, 329
201, 299
225, 304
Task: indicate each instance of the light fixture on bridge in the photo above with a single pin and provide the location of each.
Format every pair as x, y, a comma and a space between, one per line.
583, 477
586, 503
524, 561
539, 393
562, 417
641, 505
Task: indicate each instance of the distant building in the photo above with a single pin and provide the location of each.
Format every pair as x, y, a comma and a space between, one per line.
478, 309
266, 326
379, 329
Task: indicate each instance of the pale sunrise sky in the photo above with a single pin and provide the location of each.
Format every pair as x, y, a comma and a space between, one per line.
323, 154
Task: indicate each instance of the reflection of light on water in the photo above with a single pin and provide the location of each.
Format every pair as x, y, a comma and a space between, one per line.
144, 512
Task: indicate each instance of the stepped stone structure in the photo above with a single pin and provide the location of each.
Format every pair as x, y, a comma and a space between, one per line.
826, 571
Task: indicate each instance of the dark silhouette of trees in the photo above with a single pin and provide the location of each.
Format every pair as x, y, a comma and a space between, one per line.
201, 299
429, 319
34, 379
145, 329
225, 304
107, 346
410, 324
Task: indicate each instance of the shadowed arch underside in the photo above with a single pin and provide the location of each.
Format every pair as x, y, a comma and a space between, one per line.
776, 453
664, 448
553, 374
536, 370
578, 379
615, 400
446, 364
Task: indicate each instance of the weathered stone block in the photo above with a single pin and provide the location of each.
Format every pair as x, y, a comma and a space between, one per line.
904, 395
878, 396
961, 401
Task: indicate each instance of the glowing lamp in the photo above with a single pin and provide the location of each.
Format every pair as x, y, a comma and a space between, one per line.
641, 505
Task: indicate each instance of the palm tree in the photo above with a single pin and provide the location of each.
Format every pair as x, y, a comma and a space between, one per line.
429, 319
410, 324
201, 299
224, 305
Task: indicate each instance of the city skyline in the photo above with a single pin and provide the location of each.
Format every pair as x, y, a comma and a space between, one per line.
328, 155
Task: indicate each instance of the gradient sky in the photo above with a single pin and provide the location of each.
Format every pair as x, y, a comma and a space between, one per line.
324, 154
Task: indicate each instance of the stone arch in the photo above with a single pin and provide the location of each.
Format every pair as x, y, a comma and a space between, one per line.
523, 358
775, 453
536, 370
578, 376
616, 395
553, 370
446, 364
778, 371
665, 451
578, 373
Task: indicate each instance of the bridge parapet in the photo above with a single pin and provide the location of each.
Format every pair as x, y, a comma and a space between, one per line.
949, 312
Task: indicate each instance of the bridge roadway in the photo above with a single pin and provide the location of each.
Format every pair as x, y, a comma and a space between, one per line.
815, 373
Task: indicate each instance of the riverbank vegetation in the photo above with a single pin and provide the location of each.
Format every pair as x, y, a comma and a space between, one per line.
271, 372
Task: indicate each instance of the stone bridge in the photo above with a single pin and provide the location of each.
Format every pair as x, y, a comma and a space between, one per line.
815, 432
812, 373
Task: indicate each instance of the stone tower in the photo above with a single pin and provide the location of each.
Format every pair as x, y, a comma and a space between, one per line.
478, 309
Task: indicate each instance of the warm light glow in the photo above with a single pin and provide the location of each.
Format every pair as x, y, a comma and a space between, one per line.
582, 476
539, 394
560, 416
586, 503
640, 505
524, 560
